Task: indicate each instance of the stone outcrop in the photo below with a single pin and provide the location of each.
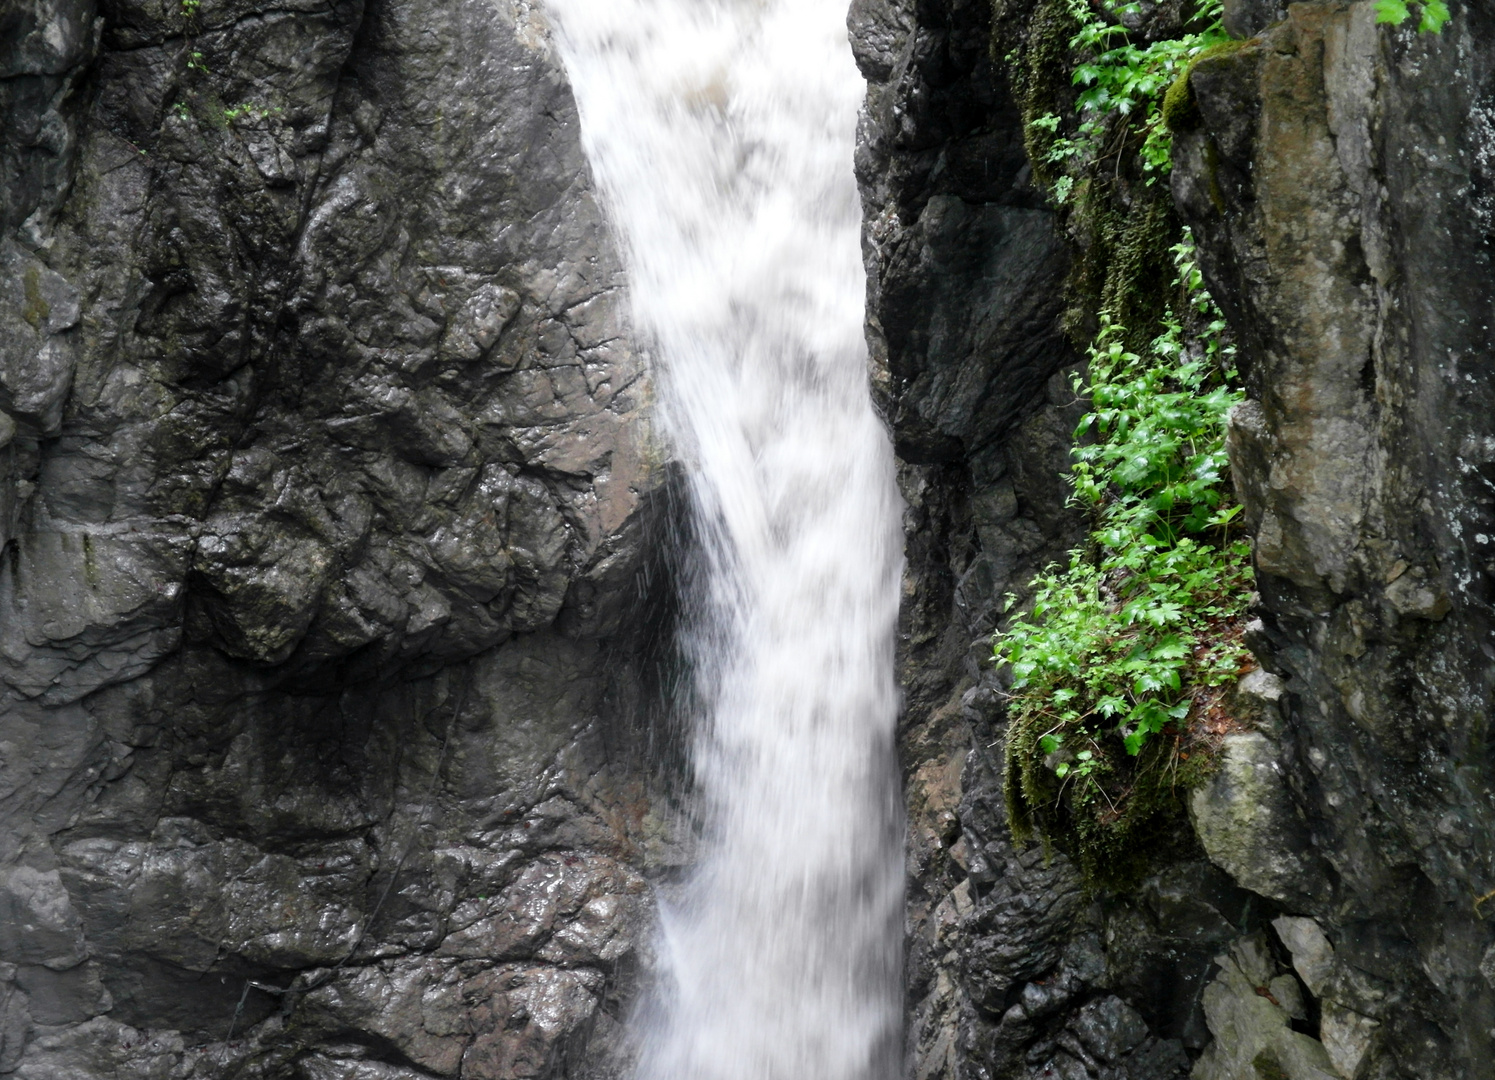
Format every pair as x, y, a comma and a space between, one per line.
1335, 175
1252, 1006
326, 483
1243, 814
1338, 177
1012, 970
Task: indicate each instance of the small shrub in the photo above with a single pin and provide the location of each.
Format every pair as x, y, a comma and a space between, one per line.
1121, 83
1128, 648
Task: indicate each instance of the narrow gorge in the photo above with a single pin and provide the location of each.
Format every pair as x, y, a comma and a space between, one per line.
496, 495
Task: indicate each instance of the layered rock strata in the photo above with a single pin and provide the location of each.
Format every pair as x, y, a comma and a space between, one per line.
328, 509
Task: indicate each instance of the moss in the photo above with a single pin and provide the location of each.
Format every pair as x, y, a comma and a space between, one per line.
1041, 78
1180, 108
90, 567
1117, 824
1267, 1067
1212, 172
37, 310
1122, 227
1127, 815
1122, 266
1140, 272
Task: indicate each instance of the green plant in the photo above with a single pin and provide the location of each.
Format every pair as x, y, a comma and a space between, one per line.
1140, 633
249, 111
189, 8
1090, 79
1433, 14
1122, 87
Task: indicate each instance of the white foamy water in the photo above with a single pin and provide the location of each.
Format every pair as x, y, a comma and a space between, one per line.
721, 133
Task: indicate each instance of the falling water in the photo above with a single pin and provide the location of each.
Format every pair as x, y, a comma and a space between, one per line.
721, 133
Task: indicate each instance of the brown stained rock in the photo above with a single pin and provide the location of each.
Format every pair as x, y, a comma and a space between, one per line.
527, 1018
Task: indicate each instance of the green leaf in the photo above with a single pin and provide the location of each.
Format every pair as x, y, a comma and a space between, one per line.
1434, 15
1393, 12
1116, 643
1171, 647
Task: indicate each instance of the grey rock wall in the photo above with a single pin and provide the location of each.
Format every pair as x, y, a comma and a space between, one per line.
329, 593
1339, 178
1012, 970
1332, 922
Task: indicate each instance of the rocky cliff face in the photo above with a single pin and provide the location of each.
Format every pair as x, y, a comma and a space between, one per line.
327, 480
1013, 971
331, 602
1339, 176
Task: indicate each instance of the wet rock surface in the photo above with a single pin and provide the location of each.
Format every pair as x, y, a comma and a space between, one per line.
331, 516
329, 504
1338, 179
1013, 970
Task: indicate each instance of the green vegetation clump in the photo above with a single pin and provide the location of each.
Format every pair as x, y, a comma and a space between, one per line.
1432, 14
1091, 95
1121, 665
1118, 108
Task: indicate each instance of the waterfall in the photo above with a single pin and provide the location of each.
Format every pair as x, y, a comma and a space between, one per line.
721, 134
